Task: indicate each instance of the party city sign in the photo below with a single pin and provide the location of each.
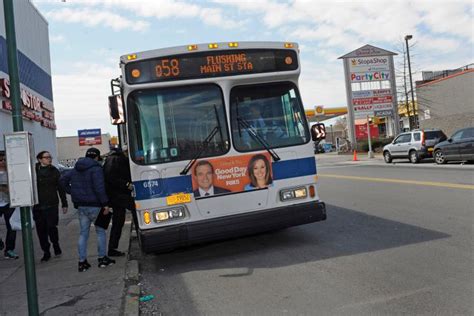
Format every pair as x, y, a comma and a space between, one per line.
370, 76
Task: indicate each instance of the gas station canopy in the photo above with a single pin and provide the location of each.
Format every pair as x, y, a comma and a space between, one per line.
320, 113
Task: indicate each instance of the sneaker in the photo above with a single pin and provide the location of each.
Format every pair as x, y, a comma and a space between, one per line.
115, 253
46, 257
10, 254
57, 251
105, 261
83, 266
2, 245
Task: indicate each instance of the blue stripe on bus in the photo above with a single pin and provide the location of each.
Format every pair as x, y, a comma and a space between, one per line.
294, 168
31, 75
159, 188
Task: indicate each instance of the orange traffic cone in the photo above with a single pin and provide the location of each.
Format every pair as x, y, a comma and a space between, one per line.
355, 156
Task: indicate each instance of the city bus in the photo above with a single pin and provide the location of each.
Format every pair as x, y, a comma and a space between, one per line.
218, 142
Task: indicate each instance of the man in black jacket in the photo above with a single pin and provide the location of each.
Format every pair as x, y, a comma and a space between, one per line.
118, 185
46, 213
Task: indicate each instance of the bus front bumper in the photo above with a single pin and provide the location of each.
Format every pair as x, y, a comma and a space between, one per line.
180, 235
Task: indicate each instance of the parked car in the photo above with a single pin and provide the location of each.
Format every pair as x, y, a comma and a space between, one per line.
415, 145
460, 147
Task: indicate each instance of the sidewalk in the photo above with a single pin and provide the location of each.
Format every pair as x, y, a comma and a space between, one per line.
62, 290
334, 157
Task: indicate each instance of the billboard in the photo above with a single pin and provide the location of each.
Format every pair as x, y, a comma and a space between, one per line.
364, 69
367, 102
232, 174
89, 137
370, 88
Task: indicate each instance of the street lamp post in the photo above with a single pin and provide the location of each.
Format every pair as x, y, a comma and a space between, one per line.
415, 119
332, 135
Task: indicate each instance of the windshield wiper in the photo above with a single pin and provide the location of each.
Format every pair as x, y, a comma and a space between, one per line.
205, 143
199, 154
254, 134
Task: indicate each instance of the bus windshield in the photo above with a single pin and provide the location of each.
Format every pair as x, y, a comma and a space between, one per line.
171, 124
272, 111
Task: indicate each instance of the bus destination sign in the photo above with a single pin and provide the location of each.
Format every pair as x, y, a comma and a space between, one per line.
211, 64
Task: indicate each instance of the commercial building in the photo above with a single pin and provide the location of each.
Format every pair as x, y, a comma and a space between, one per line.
446, 99
35, 77
70, 148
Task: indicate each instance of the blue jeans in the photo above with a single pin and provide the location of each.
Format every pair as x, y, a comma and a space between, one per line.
87, 215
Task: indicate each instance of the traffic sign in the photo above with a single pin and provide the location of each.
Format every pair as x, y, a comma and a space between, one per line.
318, 131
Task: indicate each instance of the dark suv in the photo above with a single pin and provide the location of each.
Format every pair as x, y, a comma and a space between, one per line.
414, 145
459, 147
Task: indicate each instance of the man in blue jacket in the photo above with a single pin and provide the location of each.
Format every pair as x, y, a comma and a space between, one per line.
85, 184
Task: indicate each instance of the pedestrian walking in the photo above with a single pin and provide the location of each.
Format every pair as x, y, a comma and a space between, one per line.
85, 183
118, 184
6, 211
46, 212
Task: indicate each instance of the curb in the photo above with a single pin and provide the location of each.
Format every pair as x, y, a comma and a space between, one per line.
132, 289
131, 305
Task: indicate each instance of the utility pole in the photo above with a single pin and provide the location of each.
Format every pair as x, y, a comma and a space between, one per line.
415, 120
407, 104
17, 119
332, 135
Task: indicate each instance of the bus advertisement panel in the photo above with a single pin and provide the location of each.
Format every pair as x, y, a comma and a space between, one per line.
232, 174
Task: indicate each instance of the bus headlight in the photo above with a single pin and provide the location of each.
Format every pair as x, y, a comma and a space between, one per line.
293, 194
169, 214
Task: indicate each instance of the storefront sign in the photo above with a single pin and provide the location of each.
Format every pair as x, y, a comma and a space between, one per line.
382, 113
33, 109
88, 137
361, 131
370, 64
370, 76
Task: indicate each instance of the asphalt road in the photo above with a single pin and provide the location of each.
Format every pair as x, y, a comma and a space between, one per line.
398, 240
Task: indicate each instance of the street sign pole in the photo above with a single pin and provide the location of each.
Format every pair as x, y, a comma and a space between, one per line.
17, 118
371, 154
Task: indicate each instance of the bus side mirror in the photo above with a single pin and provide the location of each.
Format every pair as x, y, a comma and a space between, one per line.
318, 132
116, 110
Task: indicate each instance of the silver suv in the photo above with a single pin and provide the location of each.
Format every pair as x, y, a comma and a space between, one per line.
415, 145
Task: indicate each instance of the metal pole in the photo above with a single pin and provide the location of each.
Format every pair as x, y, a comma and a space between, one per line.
350, 107
415, 119
332, 135
119, 137
370, 153
406, 91
17, 119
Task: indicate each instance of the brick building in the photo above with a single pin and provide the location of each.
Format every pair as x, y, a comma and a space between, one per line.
446, 99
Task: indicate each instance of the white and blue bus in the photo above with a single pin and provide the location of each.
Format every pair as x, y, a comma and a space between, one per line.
218, 141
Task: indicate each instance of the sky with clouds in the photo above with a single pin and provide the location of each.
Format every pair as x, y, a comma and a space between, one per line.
88, 37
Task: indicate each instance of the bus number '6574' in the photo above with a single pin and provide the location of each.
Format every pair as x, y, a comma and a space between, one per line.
167, 68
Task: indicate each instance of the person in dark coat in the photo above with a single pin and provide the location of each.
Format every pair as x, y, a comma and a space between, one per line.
86, 185
6, 211
46, 212
118, 184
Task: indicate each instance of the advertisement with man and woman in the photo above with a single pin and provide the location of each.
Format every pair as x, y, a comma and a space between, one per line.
232, 174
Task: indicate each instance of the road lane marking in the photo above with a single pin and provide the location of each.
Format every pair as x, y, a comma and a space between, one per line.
425, 183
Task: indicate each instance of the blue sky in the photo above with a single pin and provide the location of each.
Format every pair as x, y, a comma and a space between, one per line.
88, 37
